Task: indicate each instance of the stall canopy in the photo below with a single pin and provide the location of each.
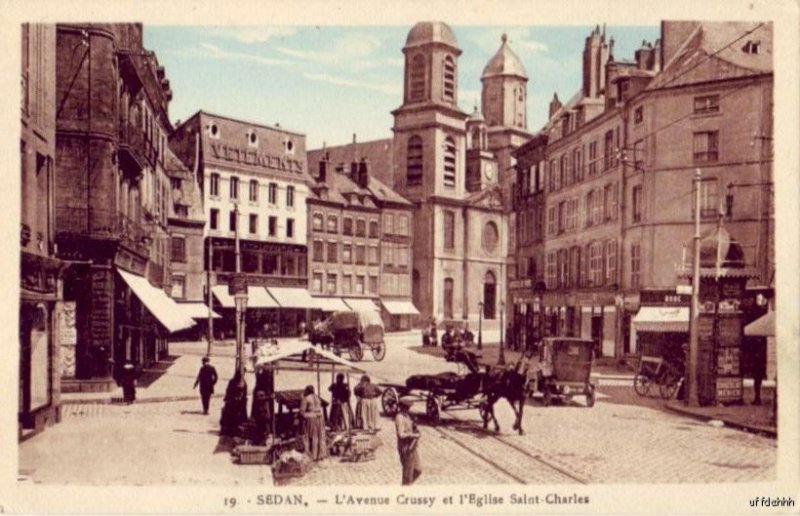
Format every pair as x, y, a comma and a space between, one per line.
292, 297
359, 303
662, 319
764, 326
400, 307
330, 304
222, 295
157, 302
288, 354
196, 310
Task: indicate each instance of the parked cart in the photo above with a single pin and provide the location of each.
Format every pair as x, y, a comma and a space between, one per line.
565, 365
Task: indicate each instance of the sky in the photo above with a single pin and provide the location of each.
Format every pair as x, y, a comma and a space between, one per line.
331, 82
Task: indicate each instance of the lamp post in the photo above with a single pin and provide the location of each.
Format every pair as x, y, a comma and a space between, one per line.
238, 288
480, 324
501, 359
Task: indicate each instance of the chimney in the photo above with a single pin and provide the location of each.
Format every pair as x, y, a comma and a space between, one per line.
354, 171
323, 170
555, 105
354, 138
363, 174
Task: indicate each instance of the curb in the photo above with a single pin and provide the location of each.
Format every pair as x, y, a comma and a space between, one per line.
762, 430
114, 400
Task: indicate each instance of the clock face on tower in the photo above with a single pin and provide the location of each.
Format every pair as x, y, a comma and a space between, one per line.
488, 171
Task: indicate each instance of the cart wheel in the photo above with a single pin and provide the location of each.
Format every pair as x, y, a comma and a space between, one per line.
590, 395
389, 400
379, 351
432, 408
641, 384
356, 353
668, 387
547, 400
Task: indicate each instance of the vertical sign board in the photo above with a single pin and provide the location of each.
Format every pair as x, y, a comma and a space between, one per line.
705, 359
729, 340
100, 322
67, 336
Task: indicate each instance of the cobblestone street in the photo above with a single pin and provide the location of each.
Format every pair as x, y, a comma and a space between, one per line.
615, 441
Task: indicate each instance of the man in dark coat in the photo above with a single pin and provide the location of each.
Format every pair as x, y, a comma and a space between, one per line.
206, 379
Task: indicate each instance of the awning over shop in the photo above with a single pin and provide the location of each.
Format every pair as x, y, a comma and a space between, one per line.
222, 295
764, 326
360, 303
662, 319
398, 307
157, 302
196, 310
330, 304
292, 297
258, 297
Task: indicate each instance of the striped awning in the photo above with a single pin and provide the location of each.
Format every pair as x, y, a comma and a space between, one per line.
331, 304
360, 303
400, 307
662, 319
157, 302
292, 297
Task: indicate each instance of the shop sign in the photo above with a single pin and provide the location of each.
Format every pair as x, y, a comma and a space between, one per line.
67, 331
238, 284
258, 159
520, 284
728, 360
729, 389
664, 297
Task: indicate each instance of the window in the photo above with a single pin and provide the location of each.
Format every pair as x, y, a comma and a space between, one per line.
449, 72
572, 215
449, 177
234, 187
416, 78
402, 256
360, 255
252, 138
272, 226
347, 283
359, 284
290, 196
638, 115
610, 202
316, 283
402, 225
178, 287
551, 176
550, 273
709, 198
608, 150
254, 191
373, 229
562, 216
232, 221
552, 220
611, 262
448, 298
388, 255
316, 222
253, 223
373, 255
706, 104
289, 228
414, 161
213, 219
318, 254
333, 224
347, 226
752, 47
577, 165
331, 286
373, 284
596, 272
590, 208
705, 145
273, 193
178, 250
333, 254
636, 203
361, 227
388, 223
575, 266
592, 158
213, 188
347, 253
635, 264
449, 230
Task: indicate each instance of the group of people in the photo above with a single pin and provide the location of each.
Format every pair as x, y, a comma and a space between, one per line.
451, 338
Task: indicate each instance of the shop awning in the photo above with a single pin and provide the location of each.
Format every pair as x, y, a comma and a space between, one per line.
196, 310
396, 307
360, 303
292, 297
662, 319
258, 297
157, 302
330, 304
764, 326
289, 354
222, 295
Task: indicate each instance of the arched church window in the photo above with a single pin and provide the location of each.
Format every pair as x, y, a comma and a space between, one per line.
414, 161
449, 162
416, 78
449, 90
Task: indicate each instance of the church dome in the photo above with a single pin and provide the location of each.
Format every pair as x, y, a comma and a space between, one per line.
431, 32
504, 62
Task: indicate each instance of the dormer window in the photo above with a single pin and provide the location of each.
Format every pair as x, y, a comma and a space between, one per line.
752, 47
288, 146
213, 130
252, 138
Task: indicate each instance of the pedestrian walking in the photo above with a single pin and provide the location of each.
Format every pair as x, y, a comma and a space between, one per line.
367, 407
433, 334
314, 438
128, 383
234, 411
341, 413
407, 442
206, 379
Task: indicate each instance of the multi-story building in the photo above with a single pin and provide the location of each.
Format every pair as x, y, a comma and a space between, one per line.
42, 315
361, 238
254, 182
112, 195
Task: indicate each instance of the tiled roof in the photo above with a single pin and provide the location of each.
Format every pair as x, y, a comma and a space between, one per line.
377, 152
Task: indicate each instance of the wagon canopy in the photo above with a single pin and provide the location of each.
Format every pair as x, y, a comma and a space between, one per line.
359, 320
289, 355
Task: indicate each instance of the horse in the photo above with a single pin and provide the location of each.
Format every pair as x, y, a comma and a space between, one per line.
510, 383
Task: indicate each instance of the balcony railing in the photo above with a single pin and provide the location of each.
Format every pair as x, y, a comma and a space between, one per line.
134, 148
101, 224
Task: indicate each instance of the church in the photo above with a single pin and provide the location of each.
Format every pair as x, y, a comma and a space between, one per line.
457, 171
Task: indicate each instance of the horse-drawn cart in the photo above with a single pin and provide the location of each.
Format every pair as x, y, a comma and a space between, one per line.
352, 331
440, 392
565, 366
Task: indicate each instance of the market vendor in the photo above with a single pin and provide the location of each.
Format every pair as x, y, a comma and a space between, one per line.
367, 409
314, 438
341, 414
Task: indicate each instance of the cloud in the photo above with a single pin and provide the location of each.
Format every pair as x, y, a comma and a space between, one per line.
354, 51
519, 38
251, 35
214, 52
390, 89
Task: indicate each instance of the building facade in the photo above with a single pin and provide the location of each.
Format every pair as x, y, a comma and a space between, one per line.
254, 181
112, 196
44, 319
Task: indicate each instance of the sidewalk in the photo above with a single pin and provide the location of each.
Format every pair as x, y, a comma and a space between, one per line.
746, 416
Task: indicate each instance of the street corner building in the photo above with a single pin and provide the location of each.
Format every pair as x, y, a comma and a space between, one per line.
456, 170
606, 191
112, 201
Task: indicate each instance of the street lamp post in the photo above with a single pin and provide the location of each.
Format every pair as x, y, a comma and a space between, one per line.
501, 359
480, 324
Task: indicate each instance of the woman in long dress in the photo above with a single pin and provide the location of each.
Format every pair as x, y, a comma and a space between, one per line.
367, 409
314, 439
234, 411
341, 413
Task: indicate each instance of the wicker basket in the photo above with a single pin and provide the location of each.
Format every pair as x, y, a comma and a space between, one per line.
249, 454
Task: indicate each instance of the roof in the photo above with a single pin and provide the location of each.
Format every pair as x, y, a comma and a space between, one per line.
431, 32
377, 152
718, 51
189, 193
504, 62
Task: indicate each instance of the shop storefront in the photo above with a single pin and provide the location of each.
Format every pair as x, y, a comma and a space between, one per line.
398, 314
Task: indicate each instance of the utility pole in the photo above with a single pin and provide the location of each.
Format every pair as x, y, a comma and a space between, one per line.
691, 370
238, 298
210, 325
